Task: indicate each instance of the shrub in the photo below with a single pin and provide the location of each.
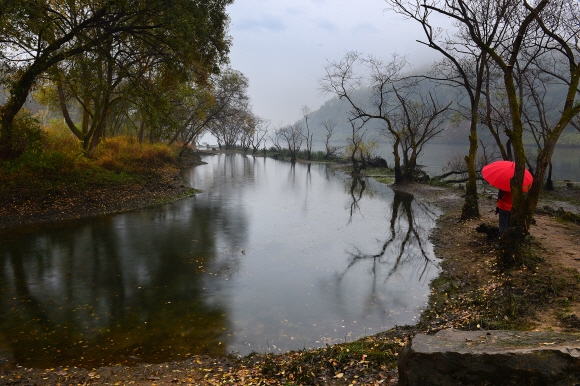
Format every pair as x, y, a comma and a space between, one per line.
124, 153
28, 136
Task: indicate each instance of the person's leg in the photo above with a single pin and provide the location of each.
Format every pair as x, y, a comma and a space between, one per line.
504, 221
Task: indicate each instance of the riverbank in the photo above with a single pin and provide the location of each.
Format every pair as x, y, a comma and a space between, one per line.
125, 176
164, 185
468, 293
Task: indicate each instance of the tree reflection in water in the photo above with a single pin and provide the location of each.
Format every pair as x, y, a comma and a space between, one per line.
357, 188
101, 293
406, 242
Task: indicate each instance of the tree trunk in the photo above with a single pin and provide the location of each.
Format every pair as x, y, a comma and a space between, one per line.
18, 94
64, 109
470, 208
141, 131
511, 243
549, 183
399, 177
410, 167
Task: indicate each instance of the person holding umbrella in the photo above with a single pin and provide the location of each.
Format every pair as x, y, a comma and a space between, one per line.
499, 175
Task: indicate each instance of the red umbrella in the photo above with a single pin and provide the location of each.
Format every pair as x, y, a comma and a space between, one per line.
499, 174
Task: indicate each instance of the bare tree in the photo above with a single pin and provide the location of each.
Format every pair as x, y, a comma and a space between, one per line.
419, 119
522, 35
463, 67
293, 135
409, 128
307, 136
247, 132
275, 138
261, 127
329, 125
342, 80
538, 110
355, 149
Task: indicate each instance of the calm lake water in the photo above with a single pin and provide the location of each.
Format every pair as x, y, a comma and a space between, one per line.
270, 257
435, 157
565, 160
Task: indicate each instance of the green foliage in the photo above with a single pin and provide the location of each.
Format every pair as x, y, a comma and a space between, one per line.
27, 132
365, 149
385, 180
182, 40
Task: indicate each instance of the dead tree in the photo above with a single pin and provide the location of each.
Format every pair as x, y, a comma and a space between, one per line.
307, 136
410, 120
330, 150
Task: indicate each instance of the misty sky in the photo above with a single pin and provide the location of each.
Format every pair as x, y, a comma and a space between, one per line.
282, 46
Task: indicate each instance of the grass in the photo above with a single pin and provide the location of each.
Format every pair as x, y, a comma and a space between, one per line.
385, 180
60, 166
354, 360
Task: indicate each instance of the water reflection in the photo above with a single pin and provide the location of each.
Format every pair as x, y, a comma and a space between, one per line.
92, 294
357, 188
272, 256
407, 241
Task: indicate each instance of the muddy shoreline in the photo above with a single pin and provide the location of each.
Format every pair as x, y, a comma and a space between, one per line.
166, 185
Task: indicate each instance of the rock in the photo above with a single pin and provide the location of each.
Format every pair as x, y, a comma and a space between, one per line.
454, 357
378, 162
491, 231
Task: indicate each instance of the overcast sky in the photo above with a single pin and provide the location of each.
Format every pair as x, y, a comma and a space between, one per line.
282, 46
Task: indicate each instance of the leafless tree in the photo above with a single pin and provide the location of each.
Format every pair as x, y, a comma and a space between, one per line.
355, 149
308, 136
261, 127
463, 67
329, 125
293, 135
420, 118
523, 35
275, 138
410, 120
342, 80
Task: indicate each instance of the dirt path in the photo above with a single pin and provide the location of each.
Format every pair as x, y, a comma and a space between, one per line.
546, 287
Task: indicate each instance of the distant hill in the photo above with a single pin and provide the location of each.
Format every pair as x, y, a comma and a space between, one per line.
338, 110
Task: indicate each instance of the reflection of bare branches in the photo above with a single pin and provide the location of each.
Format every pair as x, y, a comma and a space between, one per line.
329, 172
404, 250
400, 242
356, 194
292, 174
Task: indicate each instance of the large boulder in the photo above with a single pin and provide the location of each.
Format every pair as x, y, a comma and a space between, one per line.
453, 357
